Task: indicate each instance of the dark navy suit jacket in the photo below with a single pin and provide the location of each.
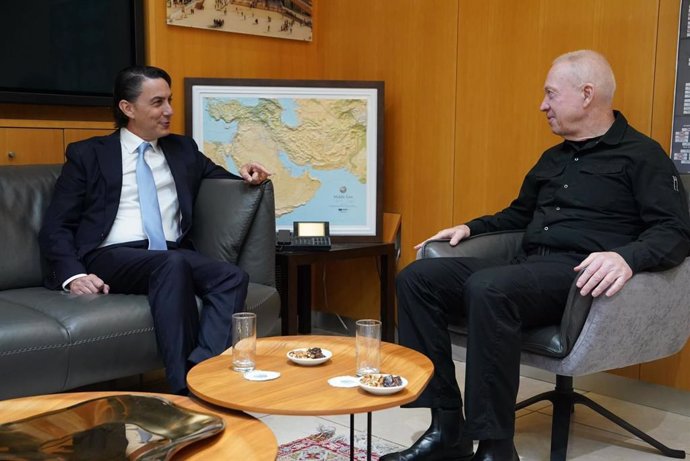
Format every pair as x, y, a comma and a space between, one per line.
87, 196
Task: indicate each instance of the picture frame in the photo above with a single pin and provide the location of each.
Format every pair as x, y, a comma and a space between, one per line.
285, 20
322, 140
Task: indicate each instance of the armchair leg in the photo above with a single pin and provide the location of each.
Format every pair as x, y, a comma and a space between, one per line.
563, 399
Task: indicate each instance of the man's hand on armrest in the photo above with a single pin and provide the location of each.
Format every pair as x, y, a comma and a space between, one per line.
455, 234
254, 173
88, 284
604, 272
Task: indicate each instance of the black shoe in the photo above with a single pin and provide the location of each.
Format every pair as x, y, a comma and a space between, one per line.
442, 441
496, 450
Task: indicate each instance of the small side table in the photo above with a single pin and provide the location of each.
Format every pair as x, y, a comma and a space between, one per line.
294, 270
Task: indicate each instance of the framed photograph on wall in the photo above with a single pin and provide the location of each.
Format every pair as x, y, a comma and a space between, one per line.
269, 18
321, 139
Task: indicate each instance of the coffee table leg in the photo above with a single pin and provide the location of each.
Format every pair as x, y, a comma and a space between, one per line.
369, 436
352, 437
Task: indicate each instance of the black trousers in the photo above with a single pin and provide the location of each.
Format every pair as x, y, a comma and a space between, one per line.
171, 279
497, 301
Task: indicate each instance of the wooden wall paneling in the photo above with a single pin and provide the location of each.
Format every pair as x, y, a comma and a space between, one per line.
665, 71
411, 47
627, 34
24, 146
73, 135
675, 370
499, 89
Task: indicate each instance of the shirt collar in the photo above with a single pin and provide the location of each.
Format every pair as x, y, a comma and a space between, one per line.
615, 134
612, 137
131, 142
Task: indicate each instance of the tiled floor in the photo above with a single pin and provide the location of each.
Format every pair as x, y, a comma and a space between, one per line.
592, 437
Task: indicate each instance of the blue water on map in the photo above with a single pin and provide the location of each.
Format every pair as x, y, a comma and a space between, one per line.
217, 130
289, 116
329, 203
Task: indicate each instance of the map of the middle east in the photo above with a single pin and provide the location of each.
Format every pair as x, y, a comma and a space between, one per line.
316, 149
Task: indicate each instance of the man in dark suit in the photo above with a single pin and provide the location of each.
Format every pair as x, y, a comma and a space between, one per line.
120, 218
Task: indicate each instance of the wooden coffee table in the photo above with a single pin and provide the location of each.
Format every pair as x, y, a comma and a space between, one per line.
244, 436
302, 390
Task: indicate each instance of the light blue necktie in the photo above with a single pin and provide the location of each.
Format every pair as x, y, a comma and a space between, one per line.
148, 202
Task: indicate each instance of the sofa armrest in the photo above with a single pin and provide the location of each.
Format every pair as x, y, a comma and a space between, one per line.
235, 222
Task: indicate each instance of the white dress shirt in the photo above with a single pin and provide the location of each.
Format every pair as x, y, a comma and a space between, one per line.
128, 225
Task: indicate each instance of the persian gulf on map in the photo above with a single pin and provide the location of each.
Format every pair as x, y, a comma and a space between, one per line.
319, 149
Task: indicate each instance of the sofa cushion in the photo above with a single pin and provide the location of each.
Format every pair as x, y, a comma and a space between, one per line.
25, 193
111, 329
34, 351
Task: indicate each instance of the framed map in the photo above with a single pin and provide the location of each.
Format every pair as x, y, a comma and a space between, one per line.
322, 140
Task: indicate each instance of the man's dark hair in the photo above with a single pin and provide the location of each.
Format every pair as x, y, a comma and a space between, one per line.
128, 87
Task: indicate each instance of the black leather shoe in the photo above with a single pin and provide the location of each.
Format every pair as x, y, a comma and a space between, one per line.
442, 441
496, 450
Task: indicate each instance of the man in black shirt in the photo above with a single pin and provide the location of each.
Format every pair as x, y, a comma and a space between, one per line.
607, 202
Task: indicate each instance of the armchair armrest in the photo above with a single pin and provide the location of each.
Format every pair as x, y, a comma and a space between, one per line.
553, 340
651, 305
235, 222
501, 245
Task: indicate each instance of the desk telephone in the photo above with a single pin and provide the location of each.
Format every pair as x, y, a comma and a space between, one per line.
305, 236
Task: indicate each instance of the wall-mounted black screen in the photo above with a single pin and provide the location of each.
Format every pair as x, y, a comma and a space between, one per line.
67, 51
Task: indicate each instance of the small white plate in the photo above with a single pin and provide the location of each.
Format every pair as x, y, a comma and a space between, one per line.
344, 381
380, 390
261, 375
309, 362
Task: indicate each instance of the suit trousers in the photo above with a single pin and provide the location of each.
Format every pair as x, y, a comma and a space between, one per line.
496, 300
171, 279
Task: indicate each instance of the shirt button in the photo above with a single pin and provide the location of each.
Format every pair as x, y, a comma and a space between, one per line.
565, 186
546, 228
577, 159
558, 208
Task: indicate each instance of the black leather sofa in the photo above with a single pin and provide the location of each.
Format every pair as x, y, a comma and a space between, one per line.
51, 341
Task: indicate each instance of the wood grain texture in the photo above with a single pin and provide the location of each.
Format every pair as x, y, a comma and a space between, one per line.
304, 390
25, 146
73, 135
244, 436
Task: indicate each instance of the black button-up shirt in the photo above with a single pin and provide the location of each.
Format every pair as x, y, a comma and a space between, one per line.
619, 192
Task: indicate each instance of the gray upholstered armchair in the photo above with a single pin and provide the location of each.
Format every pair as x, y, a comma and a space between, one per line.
649, 319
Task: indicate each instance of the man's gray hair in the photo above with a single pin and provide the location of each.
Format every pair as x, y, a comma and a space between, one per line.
588, 66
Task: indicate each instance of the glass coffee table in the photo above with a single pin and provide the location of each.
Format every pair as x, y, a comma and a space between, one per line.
304, 390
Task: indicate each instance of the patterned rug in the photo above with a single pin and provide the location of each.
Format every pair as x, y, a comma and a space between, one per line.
325, 445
